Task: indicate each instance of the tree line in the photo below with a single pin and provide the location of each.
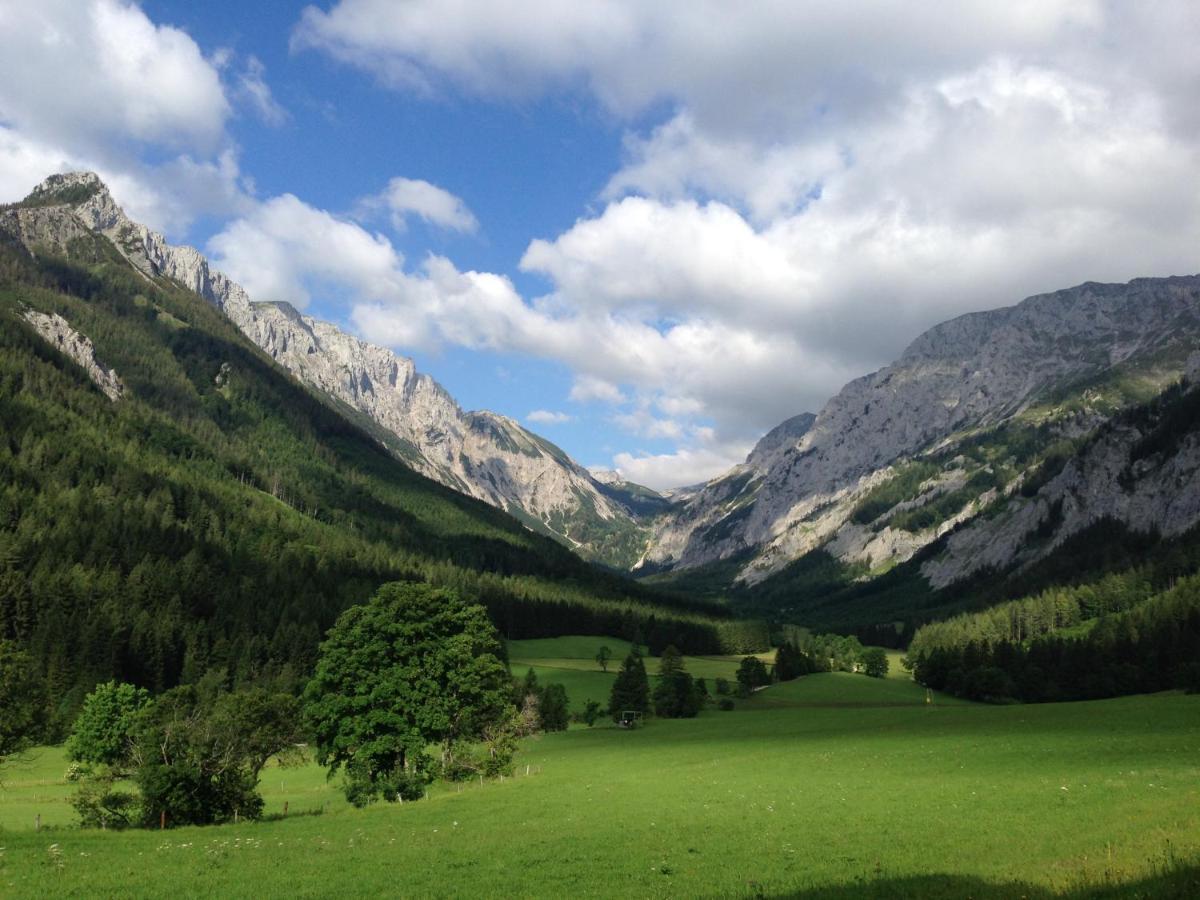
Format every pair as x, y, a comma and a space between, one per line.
1152, 646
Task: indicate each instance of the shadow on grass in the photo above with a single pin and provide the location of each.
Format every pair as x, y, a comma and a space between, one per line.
1177, 882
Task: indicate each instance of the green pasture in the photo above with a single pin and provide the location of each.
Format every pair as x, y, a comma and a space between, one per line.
571, 662
834, 785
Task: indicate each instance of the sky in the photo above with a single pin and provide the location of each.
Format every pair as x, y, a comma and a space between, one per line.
647, 231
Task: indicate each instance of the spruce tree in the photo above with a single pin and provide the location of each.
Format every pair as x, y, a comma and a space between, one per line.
631, 690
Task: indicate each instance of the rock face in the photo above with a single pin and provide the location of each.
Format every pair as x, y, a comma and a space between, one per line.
56, 330
483, 454
1109, 479
966, 376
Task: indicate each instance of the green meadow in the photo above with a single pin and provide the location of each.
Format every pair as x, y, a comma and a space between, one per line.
571, 662
834, 785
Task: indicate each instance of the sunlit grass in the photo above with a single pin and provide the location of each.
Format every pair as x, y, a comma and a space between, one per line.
836, 781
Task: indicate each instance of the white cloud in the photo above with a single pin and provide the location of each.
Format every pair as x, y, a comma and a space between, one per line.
588, 387
97, 85
254, 90
285, 247
89, 74
548, 417
830, 181
684, 467
411, 196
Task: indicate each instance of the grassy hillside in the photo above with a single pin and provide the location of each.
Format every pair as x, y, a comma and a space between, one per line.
831, 786
220, 515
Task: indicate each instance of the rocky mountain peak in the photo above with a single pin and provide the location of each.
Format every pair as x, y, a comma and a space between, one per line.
483, 454
67, 188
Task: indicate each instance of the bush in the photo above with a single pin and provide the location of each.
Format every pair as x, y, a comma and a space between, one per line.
725, 704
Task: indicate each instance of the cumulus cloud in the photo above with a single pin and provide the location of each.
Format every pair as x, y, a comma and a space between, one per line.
97, 85
548, 417
404, 197
828, 182
86, 74
683, 468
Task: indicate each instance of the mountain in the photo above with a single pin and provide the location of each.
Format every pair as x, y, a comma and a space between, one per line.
945, 453
173, 502
482, 454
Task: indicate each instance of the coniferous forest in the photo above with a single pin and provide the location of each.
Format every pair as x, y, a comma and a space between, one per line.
219, 516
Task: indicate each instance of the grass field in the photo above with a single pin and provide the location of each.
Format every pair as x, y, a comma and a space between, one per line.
831, 786
571, 662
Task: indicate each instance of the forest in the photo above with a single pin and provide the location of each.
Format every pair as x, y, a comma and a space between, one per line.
219, 516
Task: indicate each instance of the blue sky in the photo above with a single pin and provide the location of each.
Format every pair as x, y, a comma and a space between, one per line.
658, 228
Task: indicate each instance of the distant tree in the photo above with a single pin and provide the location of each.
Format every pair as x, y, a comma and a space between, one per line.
791, 662
22, 701
721, 686
752, 673
104, 731
875, 662
603, 655
414, 666
553, 708
702, 687
675, 694
591, 713
631, 690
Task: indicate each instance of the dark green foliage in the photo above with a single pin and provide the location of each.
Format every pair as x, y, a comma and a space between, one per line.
591, 713
198, 757
631, 690
875, 662
554, 708
725, 704
100, 804
721, 686
791, 662
752, 673
675, 693
103, 732
603, 655
904, 485
22, 701
1150, 647
221, 516
411, 667
942, 507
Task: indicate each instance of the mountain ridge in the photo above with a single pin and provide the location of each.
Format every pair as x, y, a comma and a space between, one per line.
480, 453
985, 376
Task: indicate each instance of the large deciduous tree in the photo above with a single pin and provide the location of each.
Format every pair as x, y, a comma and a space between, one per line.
413, 666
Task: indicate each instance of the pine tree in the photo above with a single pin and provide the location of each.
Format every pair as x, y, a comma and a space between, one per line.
631, 690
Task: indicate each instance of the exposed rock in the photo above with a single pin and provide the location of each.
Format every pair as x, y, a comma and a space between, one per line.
482, 454
972, 372
58, 332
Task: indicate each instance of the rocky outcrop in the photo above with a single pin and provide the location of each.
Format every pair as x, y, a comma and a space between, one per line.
58, 332
1107, 480
966, 375
482, 454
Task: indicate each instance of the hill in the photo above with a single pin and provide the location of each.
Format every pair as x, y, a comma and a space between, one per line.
482, 454
995, 440
173, 501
